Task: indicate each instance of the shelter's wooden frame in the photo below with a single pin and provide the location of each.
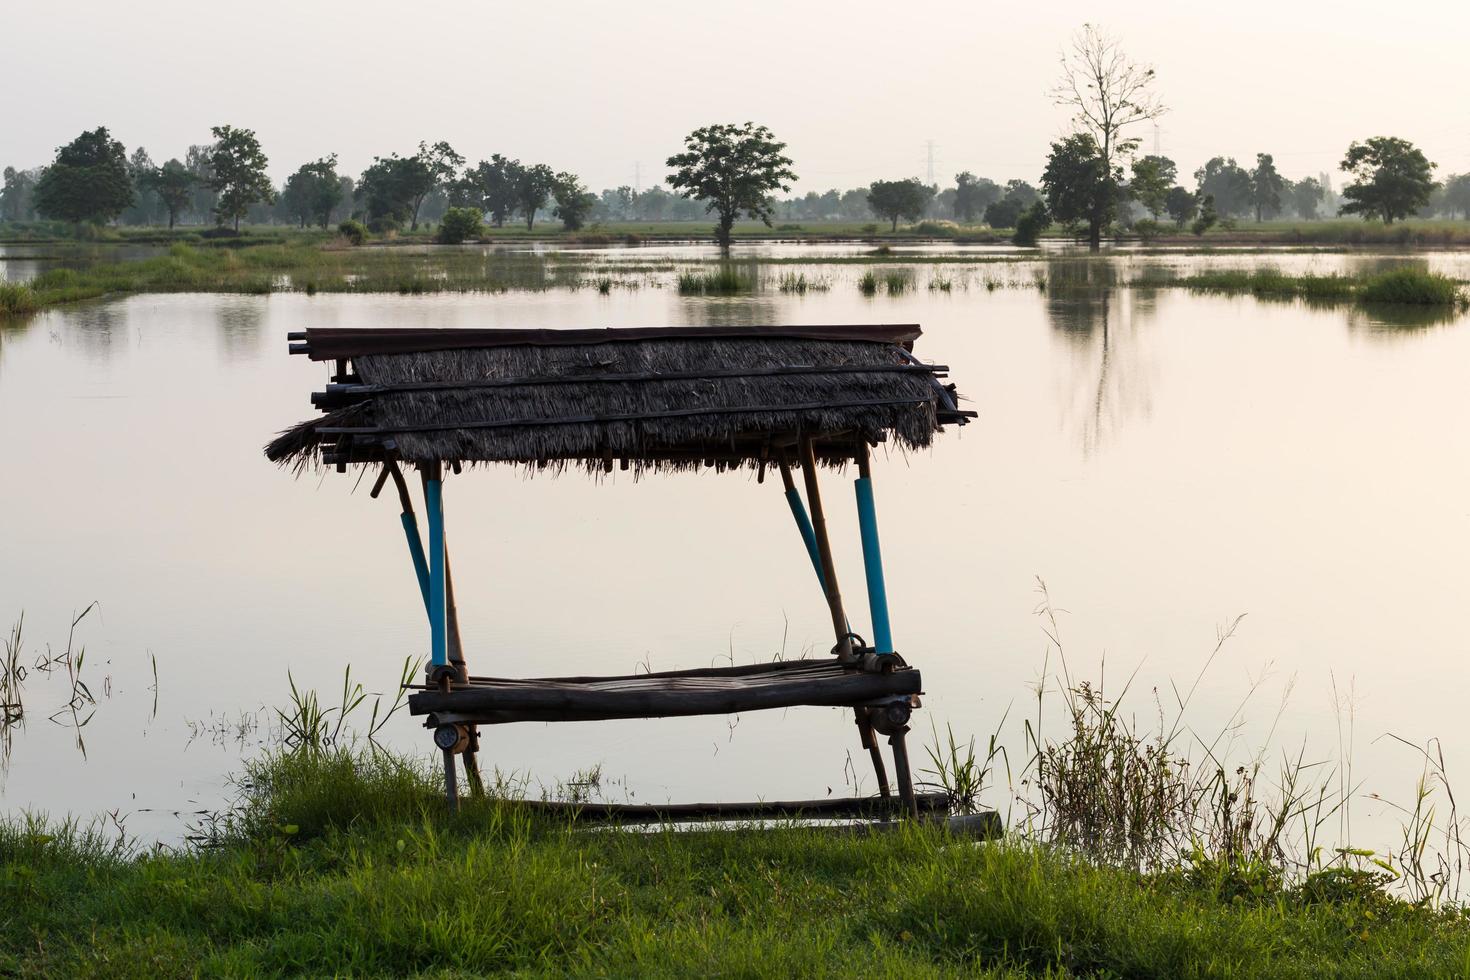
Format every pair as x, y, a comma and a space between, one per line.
874, 681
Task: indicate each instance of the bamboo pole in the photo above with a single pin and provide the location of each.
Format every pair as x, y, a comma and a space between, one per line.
824, 547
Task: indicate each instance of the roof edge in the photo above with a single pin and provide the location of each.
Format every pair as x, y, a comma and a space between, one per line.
331, 343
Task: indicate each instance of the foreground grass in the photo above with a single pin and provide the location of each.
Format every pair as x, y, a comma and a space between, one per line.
337, 865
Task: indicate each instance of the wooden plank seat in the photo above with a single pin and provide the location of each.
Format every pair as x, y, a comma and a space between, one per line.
666, 694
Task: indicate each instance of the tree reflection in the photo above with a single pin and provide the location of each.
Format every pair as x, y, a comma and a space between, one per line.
1099, 321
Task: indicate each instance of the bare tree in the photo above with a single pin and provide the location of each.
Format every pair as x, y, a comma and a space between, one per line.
1107, 93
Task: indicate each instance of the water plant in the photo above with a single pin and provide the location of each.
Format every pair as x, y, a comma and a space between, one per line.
725, 280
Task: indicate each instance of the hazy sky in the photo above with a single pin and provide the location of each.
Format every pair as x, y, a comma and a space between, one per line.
855, 88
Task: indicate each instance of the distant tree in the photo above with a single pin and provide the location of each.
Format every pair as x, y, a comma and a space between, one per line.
853, 205
237, 167
174, 185
88, 182
1228, 183
1080, 190
1456, 199
202, 202
1209, 216
433, 167
16, 194
491, 185
1152, 178
534, 184
1004, 213
1031, 224
972, 195
1022, 193
734, 170
145, 204
573, 201
313, 192
387, 189
895, 199
1108, 94
1181, 205
1306, 196
1391, 179
1266, 187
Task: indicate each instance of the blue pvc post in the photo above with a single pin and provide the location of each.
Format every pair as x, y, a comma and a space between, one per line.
438, 633
804, 525
416, 552
873, 565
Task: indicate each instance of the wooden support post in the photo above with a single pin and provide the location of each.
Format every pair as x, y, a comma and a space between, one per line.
456, 660
824, 548
870, 742
901, 770
803, 523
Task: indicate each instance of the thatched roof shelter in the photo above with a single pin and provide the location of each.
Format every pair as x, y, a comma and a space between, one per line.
646, 398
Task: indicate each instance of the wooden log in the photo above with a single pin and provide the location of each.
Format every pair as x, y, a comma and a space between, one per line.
675, 812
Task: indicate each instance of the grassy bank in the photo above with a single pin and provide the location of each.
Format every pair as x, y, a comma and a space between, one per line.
337, 864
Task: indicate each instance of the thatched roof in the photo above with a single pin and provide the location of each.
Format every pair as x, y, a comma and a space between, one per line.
646, 397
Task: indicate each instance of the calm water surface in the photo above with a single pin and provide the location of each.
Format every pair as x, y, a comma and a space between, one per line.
1164, 461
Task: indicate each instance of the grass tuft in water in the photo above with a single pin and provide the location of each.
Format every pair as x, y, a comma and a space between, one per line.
727, 280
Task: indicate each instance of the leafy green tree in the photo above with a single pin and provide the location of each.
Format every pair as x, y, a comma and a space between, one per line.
16, 194
972, 195
534, 185
1209, 216
1306, 196
1004, 213
1392, 179
1228, 183
1181, 205
573, 201
174, 185
1021, 193
1152, 178
313, 192
733, 169
1456, 199
895, 199
88, 182
1080, 190
238, 175
1108, 94
393, 188
491, 186
1266, 187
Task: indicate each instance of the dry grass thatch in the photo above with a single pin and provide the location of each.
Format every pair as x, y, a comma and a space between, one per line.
660, 402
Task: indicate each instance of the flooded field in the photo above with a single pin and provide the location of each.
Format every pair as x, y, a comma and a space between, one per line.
1165, 461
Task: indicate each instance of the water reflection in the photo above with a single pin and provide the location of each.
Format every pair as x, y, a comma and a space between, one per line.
241, 324
1102, 325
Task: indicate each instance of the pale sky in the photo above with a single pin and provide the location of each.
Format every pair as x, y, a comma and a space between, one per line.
855, 88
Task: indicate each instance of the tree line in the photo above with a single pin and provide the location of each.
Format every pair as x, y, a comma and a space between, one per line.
1093, 179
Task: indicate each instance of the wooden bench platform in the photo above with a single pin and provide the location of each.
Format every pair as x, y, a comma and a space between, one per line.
664, 694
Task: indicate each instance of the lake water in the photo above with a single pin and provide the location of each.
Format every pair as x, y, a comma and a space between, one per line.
1164, 461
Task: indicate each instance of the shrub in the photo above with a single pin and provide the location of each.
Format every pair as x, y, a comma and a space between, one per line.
870, 229
1148, 229
1030, 225
1411, 285
15, 299
354, 231
383, 224
460, 224
936, 229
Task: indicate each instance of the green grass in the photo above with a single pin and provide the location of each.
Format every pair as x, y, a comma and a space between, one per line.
1407, 285
725, 280
337, 864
